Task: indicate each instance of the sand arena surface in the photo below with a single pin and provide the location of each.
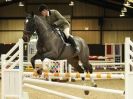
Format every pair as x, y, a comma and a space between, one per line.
113, 84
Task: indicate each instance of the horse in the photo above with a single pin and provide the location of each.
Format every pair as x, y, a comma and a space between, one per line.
50, 45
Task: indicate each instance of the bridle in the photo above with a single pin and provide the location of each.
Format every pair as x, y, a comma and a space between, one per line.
29, 32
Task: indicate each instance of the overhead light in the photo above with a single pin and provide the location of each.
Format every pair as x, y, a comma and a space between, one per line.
128, 5
122, 14
21, 4
8, 0
71, 3
124, 9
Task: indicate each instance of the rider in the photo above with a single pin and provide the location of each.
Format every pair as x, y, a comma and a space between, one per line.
56, 20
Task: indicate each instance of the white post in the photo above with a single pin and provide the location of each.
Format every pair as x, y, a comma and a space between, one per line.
128, 69
21, 69
63, 67
2, 74
70, 71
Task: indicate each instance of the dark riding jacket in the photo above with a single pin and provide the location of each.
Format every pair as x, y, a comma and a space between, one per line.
56, 18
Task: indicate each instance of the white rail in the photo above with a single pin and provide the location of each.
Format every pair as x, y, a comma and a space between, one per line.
28, 80
51, 91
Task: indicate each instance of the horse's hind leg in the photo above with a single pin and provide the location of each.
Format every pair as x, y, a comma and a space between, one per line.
88, 67
74, 62
85, 62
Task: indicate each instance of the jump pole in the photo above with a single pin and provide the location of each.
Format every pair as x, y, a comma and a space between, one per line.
29, 80
51, 91
87, 76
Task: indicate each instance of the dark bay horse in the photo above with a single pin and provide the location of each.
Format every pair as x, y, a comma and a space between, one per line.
50, 45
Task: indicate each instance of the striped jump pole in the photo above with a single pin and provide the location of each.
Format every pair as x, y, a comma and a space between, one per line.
86, 75
77, 75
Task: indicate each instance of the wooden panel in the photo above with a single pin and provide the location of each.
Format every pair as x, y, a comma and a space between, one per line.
119, 24
116, 36
12, 10
89, 36
11, 24
81, 24
113, 13
10, 37
85, 9
109, 37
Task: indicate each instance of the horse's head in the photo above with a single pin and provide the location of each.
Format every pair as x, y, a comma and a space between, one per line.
29, 27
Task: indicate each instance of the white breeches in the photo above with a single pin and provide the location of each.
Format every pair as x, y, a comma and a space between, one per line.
67, 32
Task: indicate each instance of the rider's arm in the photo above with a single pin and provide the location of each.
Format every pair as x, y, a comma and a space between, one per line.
61, 20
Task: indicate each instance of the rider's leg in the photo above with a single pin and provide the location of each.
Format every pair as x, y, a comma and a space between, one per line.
70, 39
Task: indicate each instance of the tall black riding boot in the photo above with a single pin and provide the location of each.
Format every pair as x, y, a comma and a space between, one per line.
72, 42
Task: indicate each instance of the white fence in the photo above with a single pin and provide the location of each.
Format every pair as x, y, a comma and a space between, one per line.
128, 69
12, 78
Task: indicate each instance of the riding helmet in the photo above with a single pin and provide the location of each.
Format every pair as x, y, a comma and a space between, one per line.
42, 7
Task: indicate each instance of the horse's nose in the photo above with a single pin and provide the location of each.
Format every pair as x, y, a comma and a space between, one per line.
25, 38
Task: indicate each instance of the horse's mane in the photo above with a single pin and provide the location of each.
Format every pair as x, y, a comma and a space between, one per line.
41, 20
43, 26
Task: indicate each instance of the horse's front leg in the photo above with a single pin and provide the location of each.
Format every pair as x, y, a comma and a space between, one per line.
38, 70
49, 54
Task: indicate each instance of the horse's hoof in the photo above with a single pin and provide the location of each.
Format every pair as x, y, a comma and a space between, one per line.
39, 72
73, 80
95, 85
86, 92
124, 93
83, 78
